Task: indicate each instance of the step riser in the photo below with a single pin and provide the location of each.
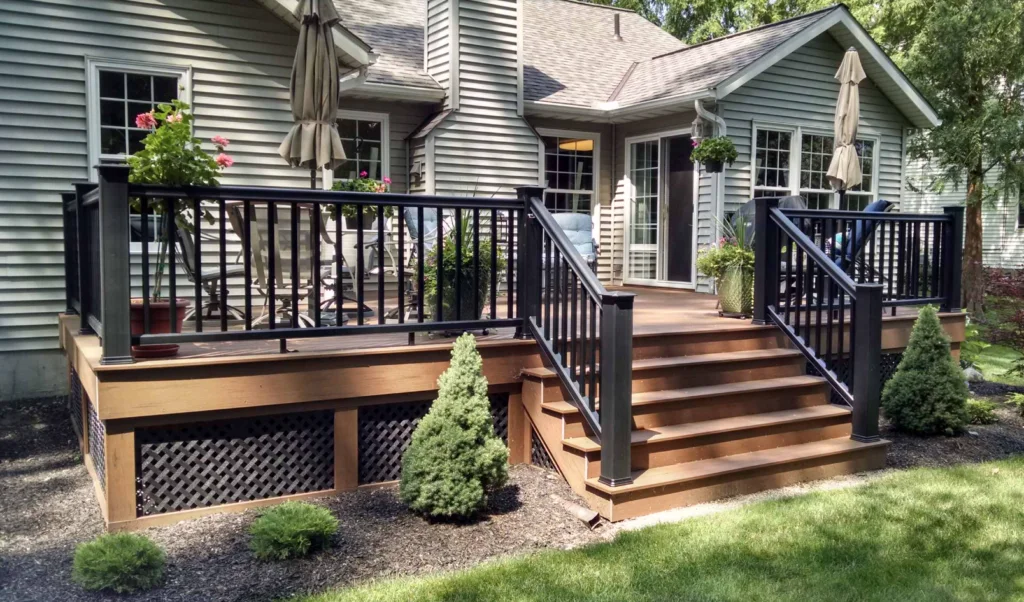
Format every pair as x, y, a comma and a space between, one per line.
729, 444
643, 502
676, 345
712, 408
678, 377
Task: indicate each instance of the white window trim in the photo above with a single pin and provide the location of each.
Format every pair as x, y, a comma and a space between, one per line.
595, 200
794, 156
627, 219
93, 66
385, 135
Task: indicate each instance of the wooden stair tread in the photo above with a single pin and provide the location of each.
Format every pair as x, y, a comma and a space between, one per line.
690, 360
703, 392
748, 462
713, 427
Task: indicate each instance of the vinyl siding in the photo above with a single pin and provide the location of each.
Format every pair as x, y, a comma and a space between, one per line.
1002, 239
438, 50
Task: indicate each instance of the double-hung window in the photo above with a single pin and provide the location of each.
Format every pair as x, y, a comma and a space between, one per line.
570, 165
795, 161
364, 138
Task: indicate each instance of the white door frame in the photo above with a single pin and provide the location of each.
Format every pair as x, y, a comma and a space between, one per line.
630, 196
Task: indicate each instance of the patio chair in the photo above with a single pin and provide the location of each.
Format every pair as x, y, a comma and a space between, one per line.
209, 279
283, 309
579, 229
429, 235
343, 280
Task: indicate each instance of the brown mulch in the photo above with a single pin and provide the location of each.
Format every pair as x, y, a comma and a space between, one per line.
48, 505
981, 443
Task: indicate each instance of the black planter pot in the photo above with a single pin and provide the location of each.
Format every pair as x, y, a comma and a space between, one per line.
713, 166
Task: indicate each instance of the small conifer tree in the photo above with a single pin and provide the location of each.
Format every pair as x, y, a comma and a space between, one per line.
455, 459
927, 395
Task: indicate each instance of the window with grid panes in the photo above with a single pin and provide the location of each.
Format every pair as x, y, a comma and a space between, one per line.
122, 96
362, 140
568, 173
860, 196
771, 162
815, 155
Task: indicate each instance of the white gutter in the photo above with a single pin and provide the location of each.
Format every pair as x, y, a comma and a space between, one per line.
611, 111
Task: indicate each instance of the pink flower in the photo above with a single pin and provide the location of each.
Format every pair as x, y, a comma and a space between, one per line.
387, 181
220, 141
145, 121
174, 118
363, 174
694, 143
224, 160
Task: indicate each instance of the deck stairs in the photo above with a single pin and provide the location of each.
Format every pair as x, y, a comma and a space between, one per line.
716, 413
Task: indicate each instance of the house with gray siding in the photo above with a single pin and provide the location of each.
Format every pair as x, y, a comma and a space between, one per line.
463, 97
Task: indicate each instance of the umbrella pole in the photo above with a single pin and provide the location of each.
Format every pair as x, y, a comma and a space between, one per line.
312, 178
842, 197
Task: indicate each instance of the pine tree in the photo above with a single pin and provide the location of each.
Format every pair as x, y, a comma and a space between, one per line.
927, 395
455, 459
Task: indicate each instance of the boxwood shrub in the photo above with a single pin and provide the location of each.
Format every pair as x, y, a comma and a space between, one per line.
118, 562
291, 530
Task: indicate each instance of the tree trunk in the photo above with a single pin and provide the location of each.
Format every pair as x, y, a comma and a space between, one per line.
973, 282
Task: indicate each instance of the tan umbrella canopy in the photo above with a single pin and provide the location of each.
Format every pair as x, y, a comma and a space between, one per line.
313, 141
844, 170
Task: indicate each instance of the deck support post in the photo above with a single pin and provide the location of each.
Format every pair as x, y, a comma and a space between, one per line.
115, 265
528, 272
120, 486
766, 259
867, 357
615, 392
952, 257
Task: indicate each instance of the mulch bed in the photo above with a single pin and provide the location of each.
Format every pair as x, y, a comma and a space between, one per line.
48, 505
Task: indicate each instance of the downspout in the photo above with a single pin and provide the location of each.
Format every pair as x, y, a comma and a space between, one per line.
717, 190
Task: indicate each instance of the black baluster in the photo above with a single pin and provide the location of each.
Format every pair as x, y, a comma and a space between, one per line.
294, 214
476, 264
901, 263
555, 293
360, 298
511, 259
494, 265
314, 223
380, 264
458, 264
440, 266
788, 242
223, 258
144, 210
420, 288
339, 267
584, 342
594, 346
573, 339
272, 263
197, 270
247, 261
799, 287
842, 327
936, 268
172, 268
401, 265
891, 285
547, 287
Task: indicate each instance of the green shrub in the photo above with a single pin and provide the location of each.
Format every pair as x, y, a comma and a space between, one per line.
927, 395
1017, 401
973, 345
981, 411
118, 562
291, 530
455, 459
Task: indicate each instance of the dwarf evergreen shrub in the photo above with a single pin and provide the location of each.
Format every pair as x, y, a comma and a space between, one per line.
927, 395
118, 562
980, 411
455, 459
291, 530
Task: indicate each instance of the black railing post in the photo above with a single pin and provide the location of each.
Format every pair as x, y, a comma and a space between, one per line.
616, 387
115, 291
85, 295
953, 257
867, 357
766, 259
529, 260
70, 223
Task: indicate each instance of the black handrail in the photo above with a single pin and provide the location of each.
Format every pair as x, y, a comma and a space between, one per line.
565, 306
813, 253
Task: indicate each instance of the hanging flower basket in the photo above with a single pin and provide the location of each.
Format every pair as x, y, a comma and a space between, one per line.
713, 166
714, 153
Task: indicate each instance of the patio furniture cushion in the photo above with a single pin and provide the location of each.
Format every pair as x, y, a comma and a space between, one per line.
579, 229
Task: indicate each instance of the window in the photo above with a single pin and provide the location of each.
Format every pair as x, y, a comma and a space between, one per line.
364, 137
569, 172
778, 173
643, 224
772, 149
117, 92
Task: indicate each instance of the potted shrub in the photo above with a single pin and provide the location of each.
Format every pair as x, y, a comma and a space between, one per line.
471, 291
714, 153
170, 156
351, 212
731, 264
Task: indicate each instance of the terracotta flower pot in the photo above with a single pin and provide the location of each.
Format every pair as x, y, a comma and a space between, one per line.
159, 323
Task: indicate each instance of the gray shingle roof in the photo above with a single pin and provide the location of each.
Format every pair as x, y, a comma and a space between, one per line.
703, 66
571, 56
394, 29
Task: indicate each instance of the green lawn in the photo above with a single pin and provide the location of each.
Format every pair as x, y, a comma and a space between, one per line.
925, 534
995, 361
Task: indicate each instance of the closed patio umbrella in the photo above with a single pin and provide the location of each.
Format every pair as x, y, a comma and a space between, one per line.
844, 170
313, 141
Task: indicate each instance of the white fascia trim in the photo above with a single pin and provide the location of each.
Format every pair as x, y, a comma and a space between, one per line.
392, 92
839, 17
611, 111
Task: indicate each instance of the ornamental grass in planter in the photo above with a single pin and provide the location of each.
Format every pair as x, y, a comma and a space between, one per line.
731, 264
170, 156
473, 290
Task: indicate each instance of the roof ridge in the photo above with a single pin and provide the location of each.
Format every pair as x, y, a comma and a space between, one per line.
818, 12
595, 5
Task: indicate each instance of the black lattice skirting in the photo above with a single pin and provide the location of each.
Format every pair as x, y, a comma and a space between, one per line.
886, 370
97, 444
209, 464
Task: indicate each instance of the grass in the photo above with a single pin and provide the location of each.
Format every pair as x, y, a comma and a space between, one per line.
924, 534
995, 362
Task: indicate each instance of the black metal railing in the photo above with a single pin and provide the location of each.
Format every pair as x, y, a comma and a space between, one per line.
826, 278
584, 331
270, 263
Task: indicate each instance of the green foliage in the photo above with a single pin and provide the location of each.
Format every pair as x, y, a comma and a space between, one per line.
362, 184
455, 459
170, 154
451, 263
973, 345
118, 562
927, 395
981, 411
719, 148
292, 530
732, 250
1017, 401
